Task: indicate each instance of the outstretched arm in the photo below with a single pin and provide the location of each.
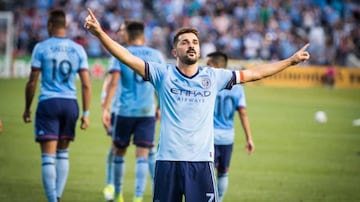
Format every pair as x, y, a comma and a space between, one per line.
118, 51
266, 70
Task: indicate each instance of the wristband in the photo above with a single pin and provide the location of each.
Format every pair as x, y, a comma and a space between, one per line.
86, 113
103, 95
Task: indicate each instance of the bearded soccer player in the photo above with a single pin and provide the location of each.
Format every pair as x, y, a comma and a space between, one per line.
187, 94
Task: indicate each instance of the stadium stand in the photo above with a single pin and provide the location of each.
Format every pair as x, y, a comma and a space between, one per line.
251, 29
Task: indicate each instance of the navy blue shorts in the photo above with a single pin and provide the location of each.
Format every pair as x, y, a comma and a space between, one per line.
56, 119
143, 129
223, 157
193, 180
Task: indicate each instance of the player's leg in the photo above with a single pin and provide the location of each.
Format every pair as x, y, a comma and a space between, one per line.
109, 167
48, 169
123, 128
201, 188
141, 170
62, 166
144, 141
109, 189
119, 172
46, 133
168, 183
70, 114
151, 164
151, 160
223, 153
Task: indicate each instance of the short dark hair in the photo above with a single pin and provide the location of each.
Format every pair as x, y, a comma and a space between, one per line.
219, 58
57, 18
134, 28
125, 23
184, 31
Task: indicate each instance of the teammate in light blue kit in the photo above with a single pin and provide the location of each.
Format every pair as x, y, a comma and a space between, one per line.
109, 189
227, 103
59, 60
187, 93
136, 114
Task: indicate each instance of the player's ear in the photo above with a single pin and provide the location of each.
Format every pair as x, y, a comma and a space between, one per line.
49, 28
49, 25
173, 52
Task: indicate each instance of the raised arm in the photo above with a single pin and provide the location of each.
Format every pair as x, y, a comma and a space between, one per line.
265, 70
118, 51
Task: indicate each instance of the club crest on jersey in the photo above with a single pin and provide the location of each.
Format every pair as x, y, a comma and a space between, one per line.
206, 83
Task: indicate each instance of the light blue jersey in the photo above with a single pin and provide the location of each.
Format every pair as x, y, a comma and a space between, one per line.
115, 105
227, 103
137, 96
187, 110
59, 60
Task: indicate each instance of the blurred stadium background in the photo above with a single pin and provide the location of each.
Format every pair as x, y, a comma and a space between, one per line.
248, 31
296, 159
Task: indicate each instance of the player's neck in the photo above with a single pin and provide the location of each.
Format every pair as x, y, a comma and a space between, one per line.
59, 33
188, 70
137, 42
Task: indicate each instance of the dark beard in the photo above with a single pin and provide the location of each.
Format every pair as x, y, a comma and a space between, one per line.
188, 61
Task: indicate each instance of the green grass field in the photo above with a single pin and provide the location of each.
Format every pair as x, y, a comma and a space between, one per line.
296, 159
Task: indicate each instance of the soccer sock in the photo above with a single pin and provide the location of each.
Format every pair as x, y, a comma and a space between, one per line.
62, 170
140, 176
152, 160
119, 170
223, 182
49, 176
109, 167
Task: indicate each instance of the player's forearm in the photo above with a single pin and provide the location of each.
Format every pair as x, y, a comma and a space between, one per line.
104, 87
245, 123
265, 70
29, 94
246, 127
118, 51
110, 92
86, 97
112, 46
30, 88
85, 89
122, 54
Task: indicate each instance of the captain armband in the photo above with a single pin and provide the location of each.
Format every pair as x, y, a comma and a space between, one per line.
239, 75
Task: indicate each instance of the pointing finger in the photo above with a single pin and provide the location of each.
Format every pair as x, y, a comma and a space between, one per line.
305, 47
91, 14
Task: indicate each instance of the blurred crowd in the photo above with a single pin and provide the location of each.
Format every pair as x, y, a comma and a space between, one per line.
244, 29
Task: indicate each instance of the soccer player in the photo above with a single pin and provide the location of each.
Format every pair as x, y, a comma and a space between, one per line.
58, 59
109, 189
187, 93
226, 104
136, 115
